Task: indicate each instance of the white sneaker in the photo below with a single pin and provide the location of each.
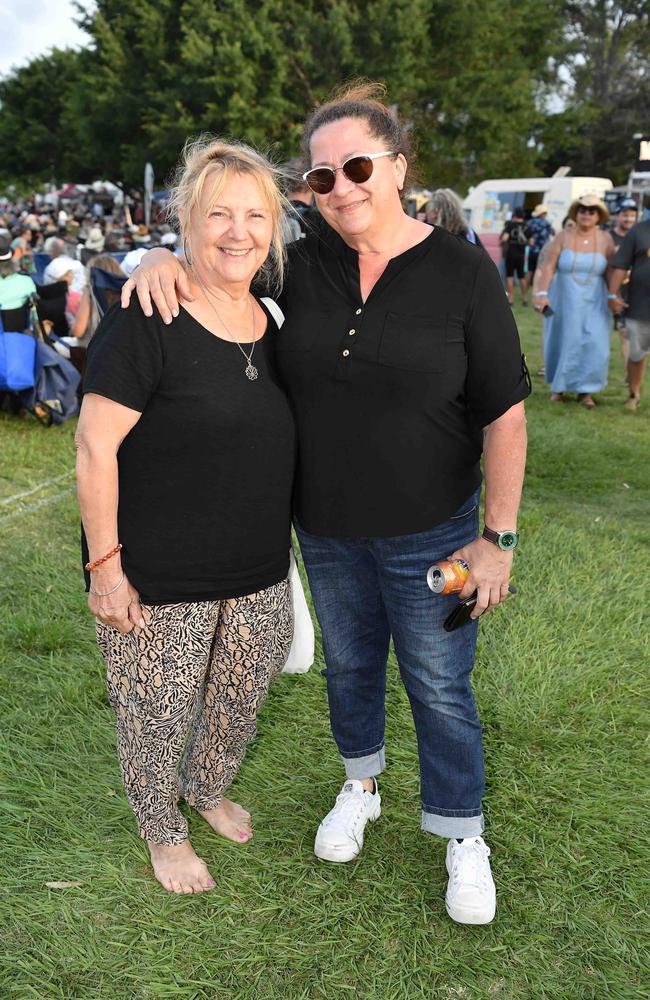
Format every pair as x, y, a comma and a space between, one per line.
471, 895
340, 835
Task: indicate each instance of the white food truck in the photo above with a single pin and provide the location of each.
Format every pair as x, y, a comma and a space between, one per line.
489, 205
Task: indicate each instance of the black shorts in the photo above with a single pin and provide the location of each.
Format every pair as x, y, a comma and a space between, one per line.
515, 265
533, 257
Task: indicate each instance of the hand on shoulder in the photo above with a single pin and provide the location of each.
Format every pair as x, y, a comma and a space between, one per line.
161, 277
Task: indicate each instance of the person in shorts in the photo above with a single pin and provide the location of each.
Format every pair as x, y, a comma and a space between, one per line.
627, 216
633, 255
513, 241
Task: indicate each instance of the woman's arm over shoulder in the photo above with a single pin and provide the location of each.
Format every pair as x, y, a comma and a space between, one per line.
161, 278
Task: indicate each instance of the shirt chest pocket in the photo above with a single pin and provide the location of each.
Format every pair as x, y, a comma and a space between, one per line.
413, 343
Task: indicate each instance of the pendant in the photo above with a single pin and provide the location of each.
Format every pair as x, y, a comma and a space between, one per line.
252, 372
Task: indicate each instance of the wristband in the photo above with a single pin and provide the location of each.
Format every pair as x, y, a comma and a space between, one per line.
541, 293
612, 296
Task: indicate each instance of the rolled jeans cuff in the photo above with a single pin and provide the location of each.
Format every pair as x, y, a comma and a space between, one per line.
452, 826
367, 766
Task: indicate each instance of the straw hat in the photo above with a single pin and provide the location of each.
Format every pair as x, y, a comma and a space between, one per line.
590, 200
95, 240
540, 209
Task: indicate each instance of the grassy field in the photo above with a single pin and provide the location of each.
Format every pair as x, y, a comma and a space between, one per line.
559, 680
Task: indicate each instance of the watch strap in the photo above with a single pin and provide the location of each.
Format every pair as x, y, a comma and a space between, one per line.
491, 535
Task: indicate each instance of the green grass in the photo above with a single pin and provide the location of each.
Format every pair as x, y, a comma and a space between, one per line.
560, 683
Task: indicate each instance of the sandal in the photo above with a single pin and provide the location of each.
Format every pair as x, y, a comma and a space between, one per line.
557, 397
585, 400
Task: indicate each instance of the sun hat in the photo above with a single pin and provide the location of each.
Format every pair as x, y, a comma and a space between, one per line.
589, 200
540, 209
58, 268
95, 239
6, 252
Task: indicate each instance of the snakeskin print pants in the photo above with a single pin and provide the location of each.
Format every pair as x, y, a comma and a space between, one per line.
186, 691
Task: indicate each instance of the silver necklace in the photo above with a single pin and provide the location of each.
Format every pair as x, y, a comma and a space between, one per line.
592, 267
250, 371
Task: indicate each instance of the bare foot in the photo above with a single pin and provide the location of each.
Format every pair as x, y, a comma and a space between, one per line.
229, 820
179, 869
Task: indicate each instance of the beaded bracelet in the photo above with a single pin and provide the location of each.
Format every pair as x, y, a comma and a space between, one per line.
109, 555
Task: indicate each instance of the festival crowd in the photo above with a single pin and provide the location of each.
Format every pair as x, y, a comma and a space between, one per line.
577, 277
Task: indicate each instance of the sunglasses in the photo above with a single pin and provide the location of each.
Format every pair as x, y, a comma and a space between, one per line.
357, 169
588, 209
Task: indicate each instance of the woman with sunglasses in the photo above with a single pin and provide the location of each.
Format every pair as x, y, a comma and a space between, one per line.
572, 297
402, 363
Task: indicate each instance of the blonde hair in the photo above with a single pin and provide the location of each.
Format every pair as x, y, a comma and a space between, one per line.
208, 158
105, 262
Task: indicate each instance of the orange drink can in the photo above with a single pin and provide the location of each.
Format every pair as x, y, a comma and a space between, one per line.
447, 577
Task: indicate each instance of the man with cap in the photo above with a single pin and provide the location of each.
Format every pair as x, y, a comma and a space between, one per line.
633, 255
538, 231
626, 217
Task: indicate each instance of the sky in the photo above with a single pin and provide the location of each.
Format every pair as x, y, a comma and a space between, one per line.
32, 27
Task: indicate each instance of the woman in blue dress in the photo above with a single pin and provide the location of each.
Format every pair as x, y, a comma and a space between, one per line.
573, 300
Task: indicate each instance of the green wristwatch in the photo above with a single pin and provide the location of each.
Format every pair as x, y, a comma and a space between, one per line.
506, 540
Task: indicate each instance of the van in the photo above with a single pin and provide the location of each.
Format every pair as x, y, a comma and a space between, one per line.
490, 204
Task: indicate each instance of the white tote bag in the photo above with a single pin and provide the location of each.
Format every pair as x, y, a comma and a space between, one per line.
301, 654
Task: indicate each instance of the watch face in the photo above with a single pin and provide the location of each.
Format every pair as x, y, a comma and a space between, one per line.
508, 540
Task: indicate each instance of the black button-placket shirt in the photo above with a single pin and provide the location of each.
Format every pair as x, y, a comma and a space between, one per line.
391, 396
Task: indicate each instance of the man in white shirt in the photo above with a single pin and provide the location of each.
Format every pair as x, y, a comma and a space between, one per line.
55, 249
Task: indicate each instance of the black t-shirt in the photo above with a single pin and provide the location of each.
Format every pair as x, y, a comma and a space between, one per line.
391, 396
634, 253
205, 476
515, 245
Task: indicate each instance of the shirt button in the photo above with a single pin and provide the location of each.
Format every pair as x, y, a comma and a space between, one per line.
352, 332
358, 312
345, 354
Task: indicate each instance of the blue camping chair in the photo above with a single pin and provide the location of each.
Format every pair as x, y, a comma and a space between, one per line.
41, 260
105, 288
45, 383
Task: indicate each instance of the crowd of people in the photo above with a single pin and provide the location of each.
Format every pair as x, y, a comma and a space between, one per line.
567, 272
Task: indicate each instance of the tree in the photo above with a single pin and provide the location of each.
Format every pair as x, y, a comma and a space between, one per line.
490, 64
36, 145
606, 89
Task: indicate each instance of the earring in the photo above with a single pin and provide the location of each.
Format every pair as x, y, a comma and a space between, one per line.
186, 252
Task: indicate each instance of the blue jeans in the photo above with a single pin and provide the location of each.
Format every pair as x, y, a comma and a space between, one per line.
366, 590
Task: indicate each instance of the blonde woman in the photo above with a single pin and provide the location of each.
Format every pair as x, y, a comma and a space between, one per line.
186, 424
87, 318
